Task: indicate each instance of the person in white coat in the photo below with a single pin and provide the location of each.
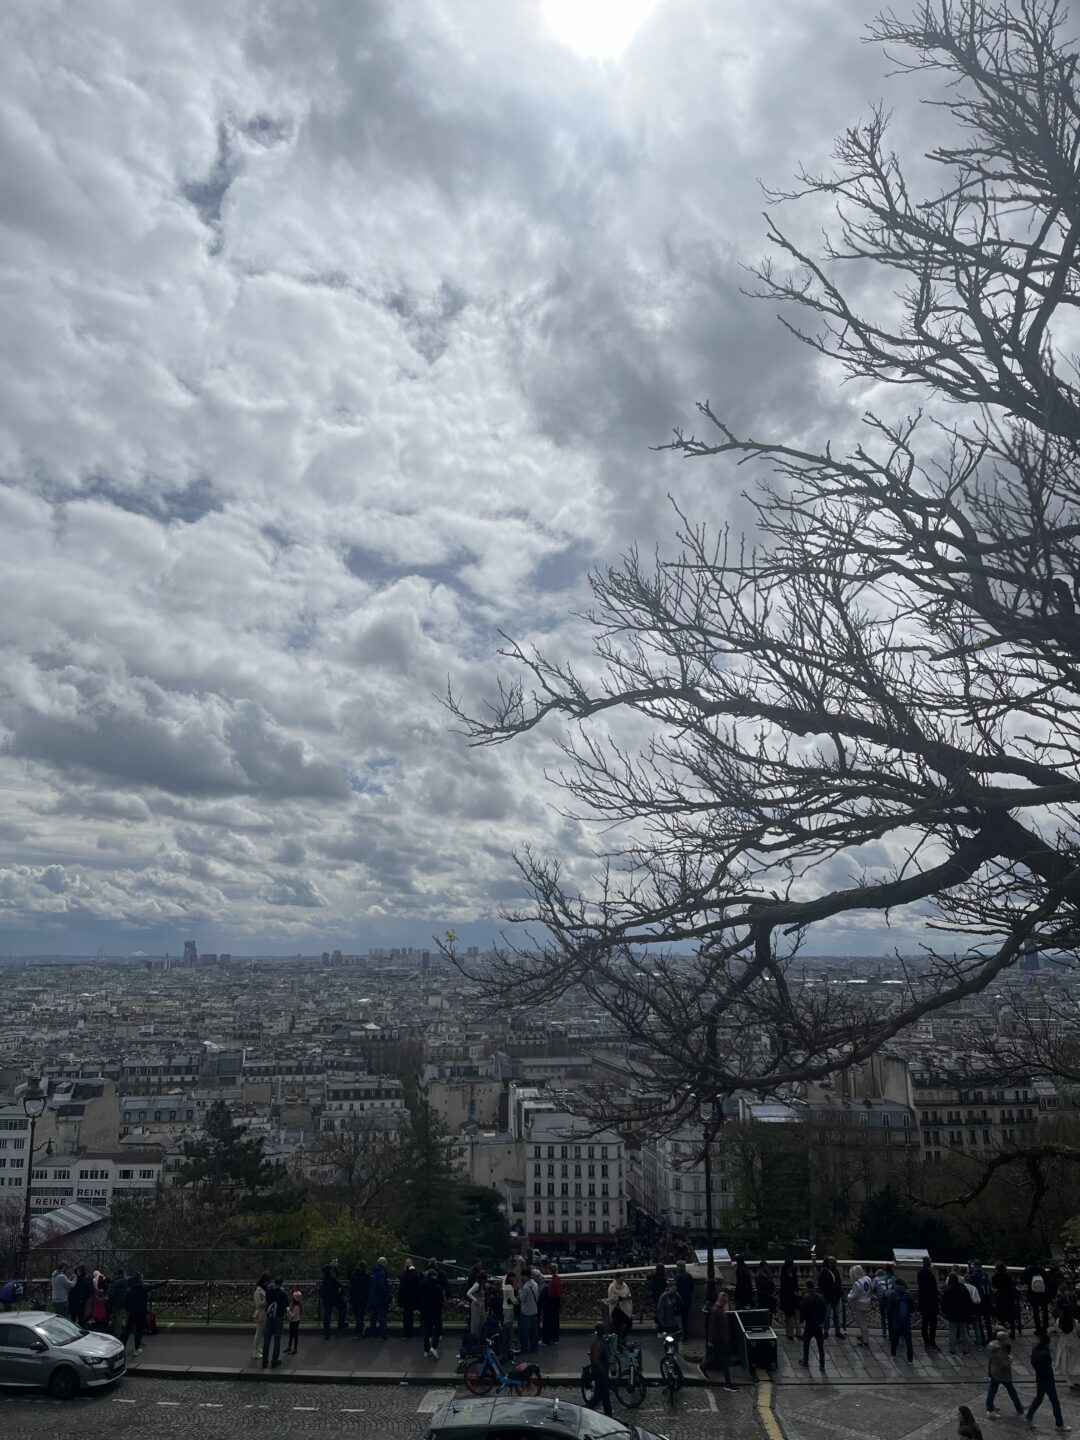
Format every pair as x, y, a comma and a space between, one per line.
1067, 1346
259, 1314
477, 1305
859, 1298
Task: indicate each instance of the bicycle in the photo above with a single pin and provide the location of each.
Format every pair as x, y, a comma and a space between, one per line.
630, 1385
482, 1375
671, 1376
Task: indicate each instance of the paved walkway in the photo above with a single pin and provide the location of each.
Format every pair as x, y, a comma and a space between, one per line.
227, 1354
176, 1353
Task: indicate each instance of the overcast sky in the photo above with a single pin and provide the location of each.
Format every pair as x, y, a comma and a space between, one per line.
336, 337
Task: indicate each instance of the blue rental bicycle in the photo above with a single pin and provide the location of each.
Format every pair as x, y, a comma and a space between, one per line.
485, 1374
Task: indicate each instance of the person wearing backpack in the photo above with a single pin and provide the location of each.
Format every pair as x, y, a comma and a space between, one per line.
277, 1302
975, 1312
898, 1308
1035, 1280
296, 1310
860, 1297
884, 1280
956, 1308
978, 1277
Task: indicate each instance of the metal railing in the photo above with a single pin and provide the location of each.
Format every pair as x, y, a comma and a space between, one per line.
213, 1287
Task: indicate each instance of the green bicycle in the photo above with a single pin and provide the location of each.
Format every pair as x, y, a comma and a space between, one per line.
626, 1373
630, 1385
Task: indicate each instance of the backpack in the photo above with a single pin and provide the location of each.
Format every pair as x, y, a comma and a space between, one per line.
1038, 1285
903, 1309
1065, 1322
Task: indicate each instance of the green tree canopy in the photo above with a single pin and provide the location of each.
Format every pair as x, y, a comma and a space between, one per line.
224, 1162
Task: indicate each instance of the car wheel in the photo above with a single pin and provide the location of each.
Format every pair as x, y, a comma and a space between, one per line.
63, 1383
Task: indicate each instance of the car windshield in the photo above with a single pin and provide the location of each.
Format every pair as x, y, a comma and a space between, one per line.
58, 1331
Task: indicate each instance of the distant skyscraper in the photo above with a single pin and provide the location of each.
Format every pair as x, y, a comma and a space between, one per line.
1030, 957
191, 953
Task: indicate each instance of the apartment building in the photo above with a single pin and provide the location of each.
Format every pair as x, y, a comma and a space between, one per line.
575, 1182
93, 1177
14, 1151
347, 1097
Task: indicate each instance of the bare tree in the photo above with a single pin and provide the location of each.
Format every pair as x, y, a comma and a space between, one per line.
11, 1219
871, 706
360, 1161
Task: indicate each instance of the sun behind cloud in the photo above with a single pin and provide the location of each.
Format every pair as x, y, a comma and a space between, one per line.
597, 29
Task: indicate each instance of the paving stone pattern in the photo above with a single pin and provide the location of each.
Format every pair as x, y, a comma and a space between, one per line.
170, 1410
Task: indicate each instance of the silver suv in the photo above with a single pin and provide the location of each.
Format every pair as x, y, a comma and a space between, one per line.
40, 1349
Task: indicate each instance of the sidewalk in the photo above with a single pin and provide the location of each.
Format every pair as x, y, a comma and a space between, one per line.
226, 1354
187, 1354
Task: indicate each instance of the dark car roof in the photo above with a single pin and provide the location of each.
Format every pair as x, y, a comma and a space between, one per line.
471, 1414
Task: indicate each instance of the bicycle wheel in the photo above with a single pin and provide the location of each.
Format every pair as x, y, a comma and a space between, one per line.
533, 1384
479, 1377
588, 1385
630, 1388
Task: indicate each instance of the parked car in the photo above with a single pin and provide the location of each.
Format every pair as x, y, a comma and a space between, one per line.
39, 1349
541, 1419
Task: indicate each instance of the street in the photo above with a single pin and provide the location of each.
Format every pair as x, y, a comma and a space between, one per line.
218, 1410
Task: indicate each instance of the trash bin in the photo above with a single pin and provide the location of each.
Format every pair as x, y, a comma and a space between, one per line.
754, 1340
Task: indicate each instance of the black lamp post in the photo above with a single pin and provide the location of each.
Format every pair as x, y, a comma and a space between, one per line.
710, 1263
34, 1100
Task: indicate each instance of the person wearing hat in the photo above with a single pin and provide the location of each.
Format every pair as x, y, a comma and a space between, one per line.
295, 1311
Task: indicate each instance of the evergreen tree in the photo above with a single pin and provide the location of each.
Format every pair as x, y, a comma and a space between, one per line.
429, 1211
224, 1161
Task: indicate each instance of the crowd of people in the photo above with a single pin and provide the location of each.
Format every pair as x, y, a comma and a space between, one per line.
122, 1304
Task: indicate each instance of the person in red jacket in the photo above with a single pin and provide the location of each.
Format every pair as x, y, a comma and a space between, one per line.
550, 1306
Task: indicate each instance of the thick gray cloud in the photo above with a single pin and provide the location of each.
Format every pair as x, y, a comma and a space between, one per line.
336, 339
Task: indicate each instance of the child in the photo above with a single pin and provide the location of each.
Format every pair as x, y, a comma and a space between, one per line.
294, 1324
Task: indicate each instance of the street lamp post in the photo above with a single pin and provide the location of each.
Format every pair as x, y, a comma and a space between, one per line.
710, 1263
34, 1100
